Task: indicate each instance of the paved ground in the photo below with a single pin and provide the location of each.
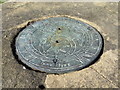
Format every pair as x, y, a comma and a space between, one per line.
103, 73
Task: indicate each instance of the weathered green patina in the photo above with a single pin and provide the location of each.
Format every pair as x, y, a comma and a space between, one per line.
58, 45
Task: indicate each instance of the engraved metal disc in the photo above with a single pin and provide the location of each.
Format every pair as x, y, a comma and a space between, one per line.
58, 45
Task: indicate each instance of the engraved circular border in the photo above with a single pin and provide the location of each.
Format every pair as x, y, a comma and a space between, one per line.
61, 71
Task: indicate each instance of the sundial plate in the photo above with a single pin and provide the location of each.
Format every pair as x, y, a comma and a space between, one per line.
58, 45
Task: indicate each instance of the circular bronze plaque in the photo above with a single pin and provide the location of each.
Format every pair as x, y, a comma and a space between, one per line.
58, 45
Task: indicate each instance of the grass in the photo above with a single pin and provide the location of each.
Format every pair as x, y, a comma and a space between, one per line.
2, 1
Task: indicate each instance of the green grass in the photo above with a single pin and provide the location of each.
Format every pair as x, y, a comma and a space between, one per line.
2, 1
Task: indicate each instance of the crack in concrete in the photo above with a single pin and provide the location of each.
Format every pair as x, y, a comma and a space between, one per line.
105, 77
14, 8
